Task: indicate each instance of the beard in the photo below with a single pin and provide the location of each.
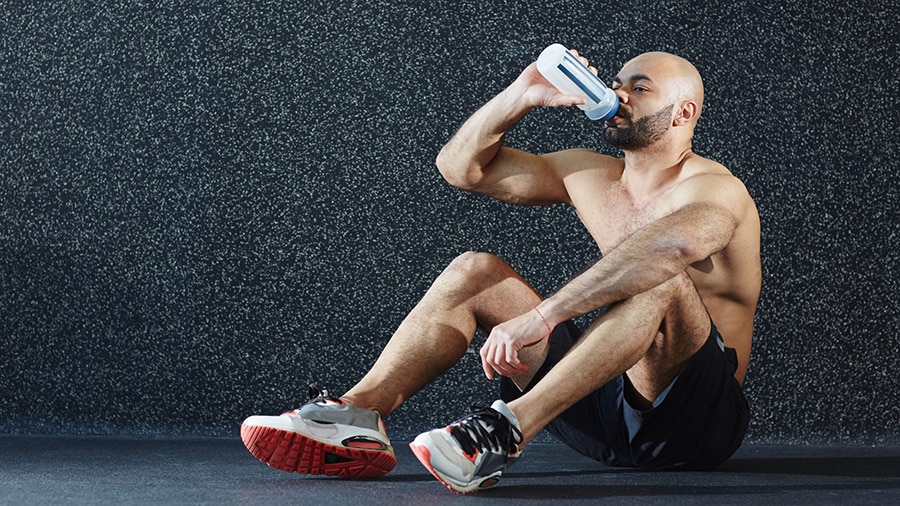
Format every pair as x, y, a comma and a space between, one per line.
641, 133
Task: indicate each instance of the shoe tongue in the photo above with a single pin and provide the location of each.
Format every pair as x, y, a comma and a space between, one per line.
315, 392
503, 409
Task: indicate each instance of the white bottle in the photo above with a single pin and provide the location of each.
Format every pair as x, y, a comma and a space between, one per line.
565, 71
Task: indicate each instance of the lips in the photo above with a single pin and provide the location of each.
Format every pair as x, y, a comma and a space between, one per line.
615, 120
620, 117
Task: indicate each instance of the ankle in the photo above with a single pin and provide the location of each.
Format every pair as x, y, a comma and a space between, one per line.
356, 403
526, 428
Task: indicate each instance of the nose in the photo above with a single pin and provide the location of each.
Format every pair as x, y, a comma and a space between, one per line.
623, 97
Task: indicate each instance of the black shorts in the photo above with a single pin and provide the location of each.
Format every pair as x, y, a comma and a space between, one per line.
696, 423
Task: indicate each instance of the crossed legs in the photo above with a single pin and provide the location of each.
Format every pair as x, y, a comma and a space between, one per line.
477, 290
651, 336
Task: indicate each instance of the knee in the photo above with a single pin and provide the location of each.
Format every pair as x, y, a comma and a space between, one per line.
675, 287
474, 269
465, 275
671, 290
475, 263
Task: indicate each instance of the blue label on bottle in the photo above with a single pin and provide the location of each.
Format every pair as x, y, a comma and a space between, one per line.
579, 80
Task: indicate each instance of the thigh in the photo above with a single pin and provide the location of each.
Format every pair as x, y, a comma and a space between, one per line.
684, 328
480, 287
698, 422
498, 292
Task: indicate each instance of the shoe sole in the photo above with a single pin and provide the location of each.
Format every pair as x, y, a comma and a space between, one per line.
295, 453
424, 455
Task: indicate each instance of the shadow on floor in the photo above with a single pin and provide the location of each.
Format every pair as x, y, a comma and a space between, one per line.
110, 470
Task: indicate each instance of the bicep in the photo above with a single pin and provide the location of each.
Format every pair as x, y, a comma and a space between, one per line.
709, 229
711, 216
524, 178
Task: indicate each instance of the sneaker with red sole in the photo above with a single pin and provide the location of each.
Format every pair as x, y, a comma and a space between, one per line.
324, 436
471, 453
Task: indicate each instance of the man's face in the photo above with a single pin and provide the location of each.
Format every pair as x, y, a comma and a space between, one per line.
645, 106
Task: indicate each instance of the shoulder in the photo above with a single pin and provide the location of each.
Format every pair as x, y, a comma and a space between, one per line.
706, 178
710, 182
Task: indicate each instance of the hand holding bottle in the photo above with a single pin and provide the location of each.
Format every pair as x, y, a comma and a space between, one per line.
571, 75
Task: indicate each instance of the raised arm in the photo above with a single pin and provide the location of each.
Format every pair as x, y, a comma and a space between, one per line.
474, 159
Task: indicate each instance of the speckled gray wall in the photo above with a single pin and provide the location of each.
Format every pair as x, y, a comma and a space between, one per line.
208, 204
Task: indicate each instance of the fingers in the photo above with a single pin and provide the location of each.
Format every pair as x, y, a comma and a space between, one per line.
500, 358
584, 60
486, 367
500, 352
568, 100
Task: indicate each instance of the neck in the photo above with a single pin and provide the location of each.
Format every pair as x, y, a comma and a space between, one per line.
652, 169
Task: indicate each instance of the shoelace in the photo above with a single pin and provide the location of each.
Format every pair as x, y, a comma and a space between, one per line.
471, 431
317, 394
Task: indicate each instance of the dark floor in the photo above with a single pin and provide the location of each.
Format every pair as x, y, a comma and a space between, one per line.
115, 470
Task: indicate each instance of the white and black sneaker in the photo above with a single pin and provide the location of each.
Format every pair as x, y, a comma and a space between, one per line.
471, 453
324, 436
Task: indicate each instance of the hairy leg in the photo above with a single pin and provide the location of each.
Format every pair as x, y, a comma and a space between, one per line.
651, 336
477, 290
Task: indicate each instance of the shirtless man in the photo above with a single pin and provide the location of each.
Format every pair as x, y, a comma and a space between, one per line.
654, 382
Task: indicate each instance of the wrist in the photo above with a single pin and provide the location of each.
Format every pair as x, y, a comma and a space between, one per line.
514, 102
544, 320
549, 313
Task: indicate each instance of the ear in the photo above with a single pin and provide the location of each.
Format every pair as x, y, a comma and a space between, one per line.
686, 113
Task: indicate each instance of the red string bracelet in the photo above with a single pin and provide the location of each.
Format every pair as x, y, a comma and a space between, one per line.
549, 328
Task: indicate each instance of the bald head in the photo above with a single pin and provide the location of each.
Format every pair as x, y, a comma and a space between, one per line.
678, 77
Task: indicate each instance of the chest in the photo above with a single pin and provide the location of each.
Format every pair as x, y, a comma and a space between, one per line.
614, 215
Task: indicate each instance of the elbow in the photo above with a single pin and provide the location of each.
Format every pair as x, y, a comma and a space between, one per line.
687, 254
680, 251
443, 164
698, 239
455, 174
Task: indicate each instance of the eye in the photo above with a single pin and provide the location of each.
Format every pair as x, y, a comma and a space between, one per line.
640, 88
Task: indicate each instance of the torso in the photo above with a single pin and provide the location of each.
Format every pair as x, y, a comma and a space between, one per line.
728, 282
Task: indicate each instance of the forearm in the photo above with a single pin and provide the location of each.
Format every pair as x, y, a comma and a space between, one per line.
621, 274
476, 143
645, 260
